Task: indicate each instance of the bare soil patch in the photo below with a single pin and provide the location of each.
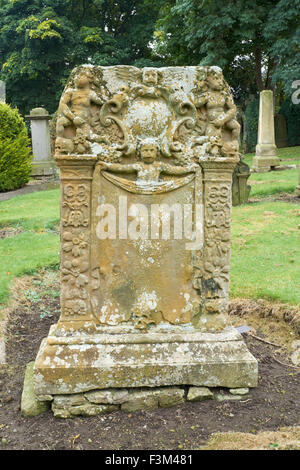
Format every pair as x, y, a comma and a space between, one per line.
272, 405
8, 232
281, 197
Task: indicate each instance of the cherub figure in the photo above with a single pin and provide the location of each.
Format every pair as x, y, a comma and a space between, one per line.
148, 169
75, 103
220, 108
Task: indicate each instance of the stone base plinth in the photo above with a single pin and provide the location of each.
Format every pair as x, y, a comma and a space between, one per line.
265, 158
182, 356
44, 168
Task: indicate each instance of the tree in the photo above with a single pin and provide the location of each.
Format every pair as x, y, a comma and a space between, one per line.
255, 42
42, 40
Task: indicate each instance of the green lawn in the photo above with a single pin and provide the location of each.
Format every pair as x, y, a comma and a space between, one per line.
265, 260
265, 252
287, 156
37, 244
274, 182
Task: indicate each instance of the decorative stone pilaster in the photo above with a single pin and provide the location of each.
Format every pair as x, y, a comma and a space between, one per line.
76, 176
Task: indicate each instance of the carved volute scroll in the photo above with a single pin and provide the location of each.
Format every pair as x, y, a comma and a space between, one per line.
153, 136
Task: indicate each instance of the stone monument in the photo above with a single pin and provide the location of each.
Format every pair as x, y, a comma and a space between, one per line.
266, 157
146, 159
43, 163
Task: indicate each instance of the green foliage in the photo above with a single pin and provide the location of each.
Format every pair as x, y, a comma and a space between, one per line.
283, 28
254, 42
292, 114
15, 153
41, 41
251, 115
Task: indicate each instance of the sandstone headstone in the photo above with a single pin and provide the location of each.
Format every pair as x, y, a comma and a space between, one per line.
240, 187
146, 159
266, 151
43, 163
281, 136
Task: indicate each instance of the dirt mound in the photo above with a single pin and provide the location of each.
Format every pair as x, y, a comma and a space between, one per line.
278, 322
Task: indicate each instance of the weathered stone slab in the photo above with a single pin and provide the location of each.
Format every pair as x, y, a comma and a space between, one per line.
227, 397
239, 391
199, 394
87, 409
144, 400
30, 405
208, 359
170, 397
107, 396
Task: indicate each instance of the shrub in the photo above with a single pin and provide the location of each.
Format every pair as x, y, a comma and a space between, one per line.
15, 151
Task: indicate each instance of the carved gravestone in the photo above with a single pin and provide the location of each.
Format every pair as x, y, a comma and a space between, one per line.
240, 188
146, 159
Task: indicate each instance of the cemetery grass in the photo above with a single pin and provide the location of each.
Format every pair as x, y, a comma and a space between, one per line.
275, 182
28, 236
267, 409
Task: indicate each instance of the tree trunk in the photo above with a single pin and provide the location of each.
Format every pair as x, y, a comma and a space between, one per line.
258, 60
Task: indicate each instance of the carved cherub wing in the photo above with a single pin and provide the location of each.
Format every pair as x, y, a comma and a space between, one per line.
128, 74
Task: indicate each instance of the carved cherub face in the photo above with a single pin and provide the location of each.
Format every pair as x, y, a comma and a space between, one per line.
215, 81
82, 80
150, 77
148, 152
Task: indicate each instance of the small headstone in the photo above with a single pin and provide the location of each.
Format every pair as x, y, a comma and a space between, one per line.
240, 187
43, 163
281, 136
